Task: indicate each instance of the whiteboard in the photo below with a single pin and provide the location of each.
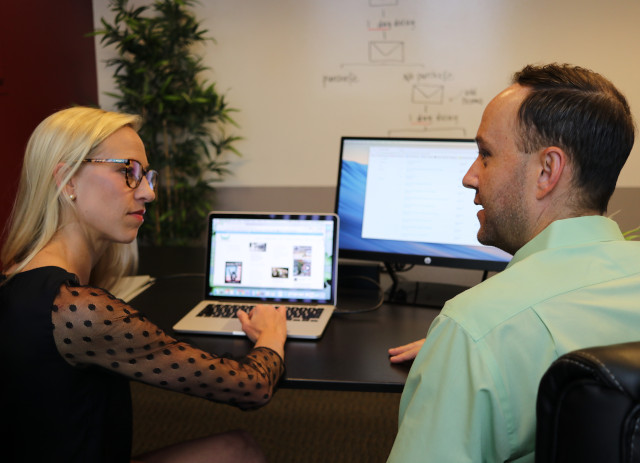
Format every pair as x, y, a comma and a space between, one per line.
303, 73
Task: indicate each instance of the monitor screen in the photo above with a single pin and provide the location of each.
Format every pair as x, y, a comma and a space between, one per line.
402, 201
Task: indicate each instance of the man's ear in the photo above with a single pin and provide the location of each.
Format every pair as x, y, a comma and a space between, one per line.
552, 166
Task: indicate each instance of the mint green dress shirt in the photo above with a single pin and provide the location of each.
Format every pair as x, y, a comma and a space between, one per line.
471, 392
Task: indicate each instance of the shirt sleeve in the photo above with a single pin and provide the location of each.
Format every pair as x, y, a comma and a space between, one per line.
451, 407
94, 328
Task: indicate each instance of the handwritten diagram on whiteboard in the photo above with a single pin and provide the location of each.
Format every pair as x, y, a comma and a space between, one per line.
434, 98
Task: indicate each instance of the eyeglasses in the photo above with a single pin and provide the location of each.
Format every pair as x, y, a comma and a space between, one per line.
134, 172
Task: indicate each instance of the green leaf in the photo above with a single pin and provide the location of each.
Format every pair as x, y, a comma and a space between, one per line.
631, 234
158, 76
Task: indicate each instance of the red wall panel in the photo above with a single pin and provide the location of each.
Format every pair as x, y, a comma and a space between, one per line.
46, 63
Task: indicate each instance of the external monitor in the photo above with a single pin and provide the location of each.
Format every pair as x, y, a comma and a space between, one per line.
401, 201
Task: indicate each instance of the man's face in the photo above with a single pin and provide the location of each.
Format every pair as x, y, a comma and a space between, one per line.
500, 175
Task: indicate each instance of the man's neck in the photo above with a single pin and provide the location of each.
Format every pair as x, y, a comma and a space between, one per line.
544, 220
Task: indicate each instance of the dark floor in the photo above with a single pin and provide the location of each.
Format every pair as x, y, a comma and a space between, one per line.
296, 426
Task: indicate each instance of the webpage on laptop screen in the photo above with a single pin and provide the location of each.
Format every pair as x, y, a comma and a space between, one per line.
278, 259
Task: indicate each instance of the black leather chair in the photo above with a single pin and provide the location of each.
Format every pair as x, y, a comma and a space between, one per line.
588, 407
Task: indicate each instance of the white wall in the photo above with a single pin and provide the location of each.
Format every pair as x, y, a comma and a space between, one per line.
306, 72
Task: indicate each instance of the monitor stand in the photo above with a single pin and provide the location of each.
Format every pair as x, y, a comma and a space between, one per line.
419, 293
359, 288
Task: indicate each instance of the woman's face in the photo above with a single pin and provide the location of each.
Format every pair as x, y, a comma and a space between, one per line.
105, 204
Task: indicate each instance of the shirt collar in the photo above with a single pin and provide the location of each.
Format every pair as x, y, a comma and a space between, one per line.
570, 232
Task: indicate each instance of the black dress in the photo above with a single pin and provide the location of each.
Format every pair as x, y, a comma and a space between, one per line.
67, 353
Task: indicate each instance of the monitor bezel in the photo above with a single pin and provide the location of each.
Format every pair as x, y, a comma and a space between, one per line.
400, 258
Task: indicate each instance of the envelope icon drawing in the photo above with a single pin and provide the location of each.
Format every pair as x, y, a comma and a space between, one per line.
386, 52
428, 94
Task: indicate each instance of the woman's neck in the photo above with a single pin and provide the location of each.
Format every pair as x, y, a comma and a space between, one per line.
71, 250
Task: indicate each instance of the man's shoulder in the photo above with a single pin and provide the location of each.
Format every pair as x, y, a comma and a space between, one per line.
538, 278
488, 304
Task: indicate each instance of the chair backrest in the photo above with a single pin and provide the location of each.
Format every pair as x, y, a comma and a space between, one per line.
588, 407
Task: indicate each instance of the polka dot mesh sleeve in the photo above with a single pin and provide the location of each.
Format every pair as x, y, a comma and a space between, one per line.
92, 327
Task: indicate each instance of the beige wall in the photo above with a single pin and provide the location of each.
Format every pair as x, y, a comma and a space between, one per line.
304, 73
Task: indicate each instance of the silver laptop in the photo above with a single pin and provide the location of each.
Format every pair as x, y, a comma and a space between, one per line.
268, 258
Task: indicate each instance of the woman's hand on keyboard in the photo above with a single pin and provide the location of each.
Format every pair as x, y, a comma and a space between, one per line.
266, 326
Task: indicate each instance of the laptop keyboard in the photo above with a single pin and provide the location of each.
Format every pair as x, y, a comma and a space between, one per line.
294, 313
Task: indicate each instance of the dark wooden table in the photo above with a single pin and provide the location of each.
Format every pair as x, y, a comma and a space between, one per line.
351, 355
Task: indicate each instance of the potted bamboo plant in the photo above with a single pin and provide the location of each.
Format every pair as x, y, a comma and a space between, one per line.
185, 117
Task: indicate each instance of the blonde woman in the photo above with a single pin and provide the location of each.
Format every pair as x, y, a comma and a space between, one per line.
69, 348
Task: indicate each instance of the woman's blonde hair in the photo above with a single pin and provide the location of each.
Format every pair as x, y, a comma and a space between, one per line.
66, 137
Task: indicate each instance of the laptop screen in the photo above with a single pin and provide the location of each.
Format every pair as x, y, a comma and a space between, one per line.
272, 257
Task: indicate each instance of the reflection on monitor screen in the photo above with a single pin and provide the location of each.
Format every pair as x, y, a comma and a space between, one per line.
402, 201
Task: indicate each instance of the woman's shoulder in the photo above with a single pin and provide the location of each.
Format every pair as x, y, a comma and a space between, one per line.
45, 273
37, 282
28, 296
90, 298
